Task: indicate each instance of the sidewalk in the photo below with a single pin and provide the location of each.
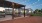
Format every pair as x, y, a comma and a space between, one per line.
9, 17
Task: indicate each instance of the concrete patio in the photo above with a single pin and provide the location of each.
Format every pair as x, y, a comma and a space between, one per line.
9, 17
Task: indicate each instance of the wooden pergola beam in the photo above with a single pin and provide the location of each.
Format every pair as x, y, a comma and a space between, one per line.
13, 5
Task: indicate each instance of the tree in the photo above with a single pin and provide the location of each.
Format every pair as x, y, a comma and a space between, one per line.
41, 10
36, 10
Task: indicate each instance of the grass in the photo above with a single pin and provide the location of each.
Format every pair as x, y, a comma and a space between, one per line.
36, 14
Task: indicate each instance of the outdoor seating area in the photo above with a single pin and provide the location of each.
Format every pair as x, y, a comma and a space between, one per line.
12, 13
20, 11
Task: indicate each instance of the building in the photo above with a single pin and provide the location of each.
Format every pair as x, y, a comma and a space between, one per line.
30, 10
8, 4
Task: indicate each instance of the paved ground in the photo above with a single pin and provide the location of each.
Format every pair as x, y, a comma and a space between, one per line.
9, 17
33, 19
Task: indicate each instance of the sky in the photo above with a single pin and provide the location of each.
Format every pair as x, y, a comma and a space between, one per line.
33, 4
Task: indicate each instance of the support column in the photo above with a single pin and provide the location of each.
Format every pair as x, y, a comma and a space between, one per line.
13, 11
24, 11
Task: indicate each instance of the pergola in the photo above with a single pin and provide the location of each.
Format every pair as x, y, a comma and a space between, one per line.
12, 5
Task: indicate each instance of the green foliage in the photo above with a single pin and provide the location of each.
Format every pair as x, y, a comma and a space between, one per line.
37, 12
41, 10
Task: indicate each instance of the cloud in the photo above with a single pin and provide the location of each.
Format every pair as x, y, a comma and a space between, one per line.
28, 6
38, 0
34, 2
40, 4
26, 0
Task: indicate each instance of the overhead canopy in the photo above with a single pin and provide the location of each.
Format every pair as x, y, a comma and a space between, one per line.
18, 5
9, 4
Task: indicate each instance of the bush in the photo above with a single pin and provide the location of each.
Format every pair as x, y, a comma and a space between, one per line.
36, 14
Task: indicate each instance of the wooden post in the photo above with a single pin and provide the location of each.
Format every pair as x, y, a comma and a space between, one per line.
24, 11
13, 11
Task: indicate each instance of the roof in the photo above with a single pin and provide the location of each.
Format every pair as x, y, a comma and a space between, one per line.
9, 4
16, 5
